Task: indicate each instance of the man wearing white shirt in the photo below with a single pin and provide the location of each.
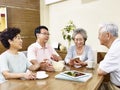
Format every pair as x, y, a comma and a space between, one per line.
108, 36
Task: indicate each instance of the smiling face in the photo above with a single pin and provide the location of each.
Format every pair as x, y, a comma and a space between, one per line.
43, 36
16, 43
79, 40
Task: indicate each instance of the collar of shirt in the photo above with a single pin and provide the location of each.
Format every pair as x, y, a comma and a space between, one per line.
39, 46
116, 40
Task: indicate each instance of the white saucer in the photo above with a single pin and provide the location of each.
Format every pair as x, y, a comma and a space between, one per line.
76, 66
42, 76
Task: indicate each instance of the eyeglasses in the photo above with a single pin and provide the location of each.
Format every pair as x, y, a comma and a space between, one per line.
78, 39
45, 33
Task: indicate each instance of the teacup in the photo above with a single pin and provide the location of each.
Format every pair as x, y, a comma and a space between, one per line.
90, 64
58, 66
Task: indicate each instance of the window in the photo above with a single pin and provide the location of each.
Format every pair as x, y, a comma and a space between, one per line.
3, 18
47, 2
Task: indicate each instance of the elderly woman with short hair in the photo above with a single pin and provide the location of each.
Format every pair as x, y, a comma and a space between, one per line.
14, 64
79, 54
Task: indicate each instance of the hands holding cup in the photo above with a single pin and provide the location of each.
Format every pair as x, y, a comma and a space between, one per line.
55, 57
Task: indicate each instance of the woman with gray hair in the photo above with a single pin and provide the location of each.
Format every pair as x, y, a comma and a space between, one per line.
79, 54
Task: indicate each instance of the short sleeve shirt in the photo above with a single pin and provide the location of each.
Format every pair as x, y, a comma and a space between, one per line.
111, 62
36, 52
14, 63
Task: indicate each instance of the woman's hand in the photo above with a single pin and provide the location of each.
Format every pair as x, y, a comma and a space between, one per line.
71, 63
79, 63
29, 75
76, 61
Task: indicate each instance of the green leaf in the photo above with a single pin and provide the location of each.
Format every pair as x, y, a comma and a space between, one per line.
68, 29
64, 36
69, 37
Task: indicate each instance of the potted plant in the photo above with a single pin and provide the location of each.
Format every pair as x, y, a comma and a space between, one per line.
67, 32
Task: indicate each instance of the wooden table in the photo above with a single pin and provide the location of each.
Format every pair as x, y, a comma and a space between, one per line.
51, 83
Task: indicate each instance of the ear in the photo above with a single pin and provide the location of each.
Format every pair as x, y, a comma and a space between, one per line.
37, 34
108, 35
10, 41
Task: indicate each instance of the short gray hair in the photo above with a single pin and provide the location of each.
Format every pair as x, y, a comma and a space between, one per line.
111, 28
81, 31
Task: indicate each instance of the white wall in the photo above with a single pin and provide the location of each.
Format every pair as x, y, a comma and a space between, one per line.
86, 15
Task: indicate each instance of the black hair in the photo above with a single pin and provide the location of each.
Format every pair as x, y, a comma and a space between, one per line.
8, 33
38, 29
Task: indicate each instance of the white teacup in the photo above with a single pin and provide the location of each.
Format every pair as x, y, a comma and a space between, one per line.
90, 64
58, 66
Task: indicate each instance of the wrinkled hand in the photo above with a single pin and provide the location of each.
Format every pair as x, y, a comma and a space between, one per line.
54, 57
71, 63
29, 75
50, 68
79, 63
75, 61
46, 66
36, 66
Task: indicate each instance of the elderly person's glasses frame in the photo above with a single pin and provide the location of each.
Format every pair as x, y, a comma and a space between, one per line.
78, 39
45, 33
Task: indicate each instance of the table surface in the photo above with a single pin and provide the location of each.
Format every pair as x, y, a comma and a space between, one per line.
51, 83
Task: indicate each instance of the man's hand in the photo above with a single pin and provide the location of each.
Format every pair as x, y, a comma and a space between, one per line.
55, 57
45, 65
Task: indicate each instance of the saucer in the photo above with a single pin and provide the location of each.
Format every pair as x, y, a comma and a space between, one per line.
42, 76
76, 66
